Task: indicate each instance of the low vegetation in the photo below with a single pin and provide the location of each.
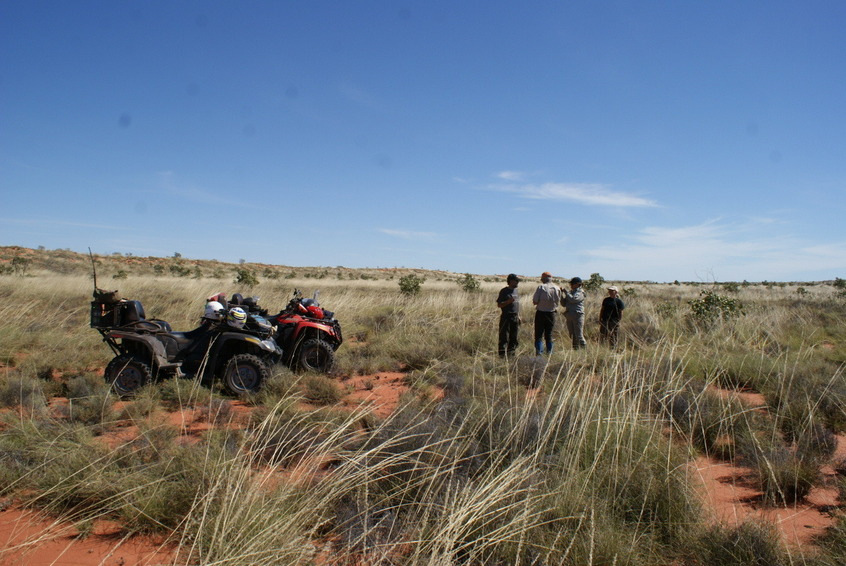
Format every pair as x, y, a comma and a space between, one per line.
579, 458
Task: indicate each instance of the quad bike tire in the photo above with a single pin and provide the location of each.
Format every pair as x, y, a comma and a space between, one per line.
244, 374
127, 374
315, 355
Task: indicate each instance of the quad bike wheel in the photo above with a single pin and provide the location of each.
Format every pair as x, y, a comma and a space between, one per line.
127, 374
244, 373
315, 355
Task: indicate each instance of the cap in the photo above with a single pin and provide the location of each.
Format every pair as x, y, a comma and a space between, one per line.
512, 277
576, 280
546, 274
613, 288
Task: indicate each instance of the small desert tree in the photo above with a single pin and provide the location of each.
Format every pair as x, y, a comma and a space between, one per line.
246, 277
410, 284
595, 282
469, 283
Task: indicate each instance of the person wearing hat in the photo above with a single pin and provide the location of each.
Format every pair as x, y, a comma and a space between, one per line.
545, 299
574, 312
610, 315
508, 302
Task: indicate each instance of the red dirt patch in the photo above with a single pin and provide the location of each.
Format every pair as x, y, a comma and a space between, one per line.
730, 495
381, 391
29, 539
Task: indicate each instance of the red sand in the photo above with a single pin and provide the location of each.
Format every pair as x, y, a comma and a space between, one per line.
29, 539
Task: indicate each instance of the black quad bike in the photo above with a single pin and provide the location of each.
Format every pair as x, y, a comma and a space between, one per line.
307, 333
239, 355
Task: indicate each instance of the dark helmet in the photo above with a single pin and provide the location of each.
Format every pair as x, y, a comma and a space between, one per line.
576, 280
512, 277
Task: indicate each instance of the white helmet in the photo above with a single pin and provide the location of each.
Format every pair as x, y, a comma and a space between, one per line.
213, 310
236, 317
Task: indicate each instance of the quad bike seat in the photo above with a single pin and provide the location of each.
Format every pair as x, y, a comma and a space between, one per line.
133, 316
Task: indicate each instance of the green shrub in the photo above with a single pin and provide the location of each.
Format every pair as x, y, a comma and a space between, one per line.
711, 307
246, 277
469, 283
595, 282
410, 284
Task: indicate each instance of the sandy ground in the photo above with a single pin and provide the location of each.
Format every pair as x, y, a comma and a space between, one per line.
729, 493
27, 538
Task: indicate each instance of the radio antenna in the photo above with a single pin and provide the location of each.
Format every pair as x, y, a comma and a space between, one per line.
93, 267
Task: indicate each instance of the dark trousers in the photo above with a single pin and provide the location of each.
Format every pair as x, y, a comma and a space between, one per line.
509, 326
544, 323
609, 330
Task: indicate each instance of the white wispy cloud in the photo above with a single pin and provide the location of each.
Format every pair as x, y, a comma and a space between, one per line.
411, 235
715, 250
587, 194
169, 183
514, 176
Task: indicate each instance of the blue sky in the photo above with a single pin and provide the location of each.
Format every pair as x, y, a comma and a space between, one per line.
642, 140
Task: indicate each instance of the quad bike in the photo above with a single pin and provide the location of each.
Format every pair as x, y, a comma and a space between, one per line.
230, 344
308, 334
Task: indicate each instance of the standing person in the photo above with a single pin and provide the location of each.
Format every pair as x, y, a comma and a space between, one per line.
610, 315
508, 302
545, 299
574, 312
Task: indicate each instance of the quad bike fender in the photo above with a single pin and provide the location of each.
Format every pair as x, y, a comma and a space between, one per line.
308, 327
267, 345
158, 355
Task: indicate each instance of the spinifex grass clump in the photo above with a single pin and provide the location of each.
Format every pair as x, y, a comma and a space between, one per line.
23, 392
499, 477
750, 543
90, 400
712, 422
321, 390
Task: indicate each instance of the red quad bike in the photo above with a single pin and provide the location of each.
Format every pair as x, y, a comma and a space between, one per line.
308, 334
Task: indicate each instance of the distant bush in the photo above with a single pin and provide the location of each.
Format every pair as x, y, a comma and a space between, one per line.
595, 282
179, 270
666, 309
731, 287
469, 283
246, 277
711, 307
410, 284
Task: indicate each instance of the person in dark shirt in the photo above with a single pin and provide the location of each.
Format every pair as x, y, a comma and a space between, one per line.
508, 302
610, 315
